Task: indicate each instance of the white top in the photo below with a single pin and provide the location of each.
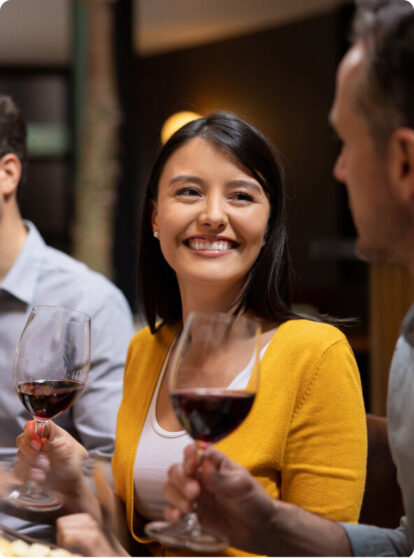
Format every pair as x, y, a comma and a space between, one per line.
158, 449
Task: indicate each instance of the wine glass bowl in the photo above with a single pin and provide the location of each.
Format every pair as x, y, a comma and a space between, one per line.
213, 380
50, 369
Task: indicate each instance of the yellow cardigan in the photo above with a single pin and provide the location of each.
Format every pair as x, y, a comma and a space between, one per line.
305, 437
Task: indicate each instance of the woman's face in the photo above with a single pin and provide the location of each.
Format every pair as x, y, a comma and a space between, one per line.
211, 217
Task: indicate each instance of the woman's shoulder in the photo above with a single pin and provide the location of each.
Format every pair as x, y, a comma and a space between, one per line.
312, 329
307, 335
144, 337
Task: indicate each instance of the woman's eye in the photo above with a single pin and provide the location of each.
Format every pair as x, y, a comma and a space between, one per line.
187, 191
242, 197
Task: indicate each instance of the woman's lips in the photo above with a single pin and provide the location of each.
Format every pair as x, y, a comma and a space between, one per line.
210, 245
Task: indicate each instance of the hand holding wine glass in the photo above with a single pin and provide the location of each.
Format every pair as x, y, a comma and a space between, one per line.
213, 381
50, 368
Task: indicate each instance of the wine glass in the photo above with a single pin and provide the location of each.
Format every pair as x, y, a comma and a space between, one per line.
50, 368
213, 380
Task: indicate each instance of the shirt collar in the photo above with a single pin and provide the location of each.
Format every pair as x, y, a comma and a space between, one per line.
22, 277
407, 328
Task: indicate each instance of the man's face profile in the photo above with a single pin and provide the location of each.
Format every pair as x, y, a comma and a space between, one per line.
360, 166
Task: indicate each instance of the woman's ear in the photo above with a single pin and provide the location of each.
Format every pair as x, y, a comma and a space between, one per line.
10, 173
154, 216
401, 163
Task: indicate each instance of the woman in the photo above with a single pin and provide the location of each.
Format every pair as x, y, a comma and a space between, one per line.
214, 238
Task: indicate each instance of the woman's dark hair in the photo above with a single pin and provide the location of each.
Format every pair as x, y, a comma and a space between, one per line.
267, 293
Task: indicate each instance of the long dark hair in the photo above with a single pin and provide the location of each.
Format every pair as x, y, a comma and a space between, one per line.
267, 293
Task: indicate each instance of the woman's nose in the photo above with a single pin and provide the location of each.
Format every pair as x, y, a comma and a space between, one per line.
213, 213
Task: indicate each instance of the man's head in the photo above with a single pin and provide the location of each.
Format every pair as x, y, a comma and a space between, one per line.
13, 151
373, 114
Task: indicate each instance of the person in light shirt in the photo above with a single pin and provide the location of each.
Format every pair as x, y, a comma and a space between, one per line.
32, 273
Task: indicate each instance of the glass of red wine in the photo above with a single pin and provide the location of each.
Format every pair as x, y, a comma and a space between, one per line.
213, 380
50, 368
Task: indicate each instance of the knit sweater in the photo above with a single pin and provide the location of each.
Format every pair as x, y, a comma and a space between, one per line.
305, 437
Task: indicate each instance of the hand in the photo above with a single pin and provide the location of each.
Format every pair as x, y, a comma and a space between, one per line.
80, 533
230, 502
52, 454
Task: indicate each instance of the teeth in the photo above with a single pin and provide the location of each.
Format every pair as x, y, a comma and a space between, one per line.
202, 244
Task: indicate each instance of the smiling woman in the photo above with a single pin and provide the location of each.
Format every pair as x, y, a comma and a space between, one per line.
213, 237
211, 217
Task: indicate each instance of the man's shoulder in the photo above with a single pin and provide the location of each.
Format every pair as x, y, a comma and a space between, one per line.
69, 278
57, 262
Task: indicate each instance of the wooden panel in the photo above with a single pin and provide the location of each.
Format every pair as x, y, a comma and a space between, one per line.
391, 294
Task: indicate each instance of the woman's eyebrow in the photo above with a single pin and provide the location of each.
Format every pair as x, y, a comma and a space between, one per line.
246, 182
182, 178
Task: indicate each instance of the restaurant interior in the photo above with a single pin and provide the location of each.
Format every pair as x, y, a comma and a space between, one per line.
98, 79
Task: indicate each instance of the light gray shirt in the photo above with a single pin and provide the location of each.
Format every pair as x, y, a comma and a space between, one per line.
370, 540
43, 275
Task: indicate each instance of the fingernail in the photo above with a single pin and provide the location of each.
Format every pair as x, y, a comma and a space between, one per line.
36, 444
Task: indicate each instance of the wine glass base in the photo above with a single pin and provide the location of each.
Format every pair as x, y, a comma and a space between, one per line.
40, 501
178, 535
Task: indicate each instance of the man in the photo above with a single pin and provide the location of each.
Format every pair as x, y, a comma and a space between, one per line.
373, 115
33, 273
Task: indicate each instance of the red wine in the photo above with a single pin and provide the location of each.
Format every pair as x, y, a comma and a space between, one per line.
210, 415
45, 399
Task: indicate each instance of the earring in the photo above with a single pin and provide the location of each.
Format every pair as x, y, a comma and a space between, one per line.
156, 234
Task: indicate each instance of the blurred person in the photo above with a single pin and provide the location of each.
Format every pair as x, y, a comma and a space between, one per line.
213, 237
33, 273
373, 115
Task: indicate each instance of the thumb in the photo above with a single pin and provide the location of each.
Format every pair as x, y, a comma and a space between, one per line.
215, 468
221, 475
37, 431
30, 431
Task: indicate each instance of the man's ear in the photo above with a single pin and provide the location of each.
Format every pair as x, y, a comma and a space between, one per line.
401, 163
10, 173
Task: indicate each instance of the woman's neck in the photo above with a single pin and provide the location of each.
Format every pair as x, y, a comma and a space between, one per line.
219, 299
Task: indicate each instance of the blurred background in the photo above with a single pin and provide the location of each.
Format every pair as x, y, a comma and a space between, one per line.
97, 80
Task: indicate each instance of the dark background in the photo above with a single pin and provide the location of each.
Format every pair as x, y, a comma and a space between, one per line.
281, 80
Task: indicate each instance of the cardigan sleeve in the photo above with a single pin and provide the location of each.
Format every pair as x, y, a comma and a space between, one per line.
324, 461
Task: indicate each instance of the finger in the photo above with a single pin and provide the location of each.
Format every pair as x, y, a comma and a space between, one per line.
26, 448
191, 460
30, 436
176, 498
172, 514
208, 477
184, 484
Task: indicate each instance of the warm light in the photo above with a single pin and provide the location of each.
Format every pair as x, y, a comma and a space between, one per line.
176, 121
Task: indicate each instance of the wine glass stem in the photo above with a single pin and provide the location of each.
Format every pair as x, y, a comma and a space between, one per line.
33, 488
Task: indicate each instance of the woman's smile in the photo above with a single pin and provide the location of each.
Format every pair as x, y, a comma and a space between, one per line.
210, 247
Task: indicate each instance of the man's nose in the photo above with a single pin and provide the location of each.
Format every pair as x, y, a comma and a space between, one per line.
339, 168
